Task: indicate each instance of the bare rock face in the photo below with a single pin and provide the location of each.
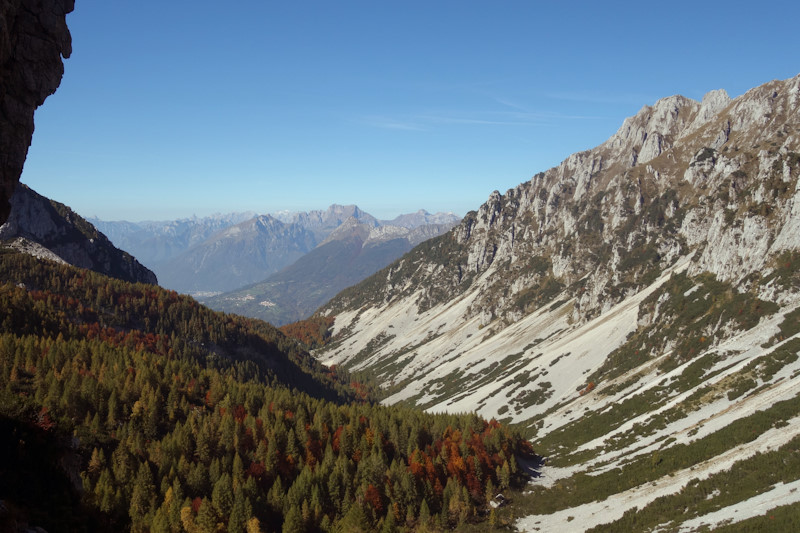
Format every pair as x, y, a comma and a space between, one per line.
33, 39
717, 181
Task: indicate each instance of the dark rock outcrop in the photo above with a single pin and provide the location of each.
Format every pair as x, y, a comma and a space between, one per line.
58, 230
33, 39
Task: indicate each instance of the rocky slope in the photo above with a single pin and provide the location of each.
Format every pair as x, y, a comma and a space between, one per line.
634, 292
52, 230
33, 40
352, 252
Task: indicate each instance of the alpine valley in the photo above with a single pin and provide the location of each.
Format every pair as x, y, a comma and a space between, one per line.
610, 346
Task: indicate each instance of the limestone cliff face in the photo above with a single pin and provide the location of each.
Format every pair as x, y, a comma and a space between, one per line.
707, 188
717, 179
33, 39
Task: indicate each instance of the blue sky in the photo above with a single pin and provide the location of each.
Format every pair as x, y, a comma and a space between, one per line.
174, 108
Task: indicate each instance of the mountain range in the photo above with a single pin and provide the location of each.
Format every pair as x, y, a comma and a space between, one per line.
350, 253
633, 309
223, 253
154, 242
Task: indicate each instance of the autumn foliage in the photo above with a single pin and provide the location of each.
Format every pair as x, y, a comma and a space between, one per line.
312, 332
183, 420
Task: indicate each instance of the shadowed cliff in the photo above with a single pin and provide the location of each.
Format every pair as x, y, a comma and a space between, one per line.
33, 39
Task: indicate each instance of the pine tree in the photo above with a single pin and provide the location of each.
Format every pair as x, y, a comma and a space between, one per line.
97, 462
389, 525
276, 496
424, 513
104, 492
293, 522
222, 496
240, 513
206, 517
355, 521
160, 522
142, 498
505, 475
237, 472
175, 504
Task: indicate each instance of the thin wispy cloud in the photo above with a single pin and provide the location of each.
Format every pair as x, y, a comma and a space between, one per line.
597, 98
387, 123
488, 120
523, 110
428, 121
509, 103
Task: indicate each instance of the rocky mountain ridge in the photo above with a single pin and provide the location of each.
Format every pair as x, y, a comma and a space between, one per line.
421, 218
648, 189
48, 229
621, 306
322, 223
236, 256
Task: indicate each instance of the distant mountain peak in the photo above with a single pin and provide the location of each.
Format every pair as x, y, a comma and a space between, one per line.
421, 218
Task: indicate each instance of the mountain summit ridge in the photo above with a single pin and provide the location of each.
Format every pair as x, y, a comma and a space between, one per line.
607, 189
351, 252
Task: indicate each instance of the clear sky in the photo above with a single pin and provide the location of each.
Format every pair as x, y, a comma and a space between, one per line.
171, 108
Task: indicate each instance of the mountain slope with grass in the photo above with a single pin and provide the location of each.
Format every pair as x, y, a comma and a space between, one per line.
634, 310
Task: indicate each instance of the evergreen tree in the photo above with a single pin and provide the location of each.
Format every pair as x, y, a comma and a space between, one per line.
355, 521
424, 513
142, 498
293, 522
504, 475
389, 525
160, 522
206, 517
240, 513
276, 496
222, 496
